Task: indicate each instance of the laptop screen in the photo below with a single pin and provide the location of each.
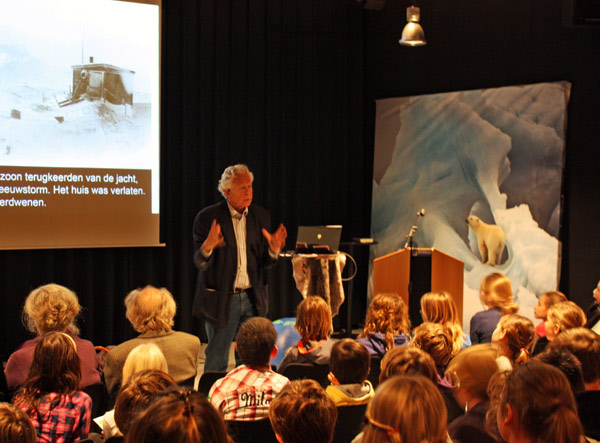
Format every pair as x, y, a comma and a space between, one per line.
328, 235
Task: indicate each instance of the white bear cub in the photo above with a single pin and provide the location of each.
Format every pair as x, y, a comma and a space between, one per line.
490, 239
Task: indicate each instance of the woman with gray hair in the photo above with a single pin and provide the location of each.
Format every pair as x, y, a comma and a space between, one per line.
51, 308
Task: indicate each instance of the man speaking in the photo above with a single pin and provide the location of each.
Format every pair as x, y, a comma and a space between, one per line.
233, 247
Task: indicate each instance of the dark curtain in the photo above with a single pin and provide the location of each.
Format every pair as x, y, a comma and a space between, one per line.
275, 84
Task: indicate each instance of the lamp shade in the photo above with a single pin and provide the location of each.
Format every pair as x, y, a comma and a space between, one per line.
413, 34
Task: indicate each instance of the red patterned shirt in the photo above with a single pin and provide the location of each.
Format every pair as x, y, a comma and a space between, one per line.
246, 392
61, 418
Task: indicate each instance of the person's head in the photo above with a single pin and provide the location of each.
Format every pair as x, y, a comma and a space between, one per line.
513, 336
137, 393
567, 363
471, 371
144, 356
534, 403
562, 316
496, 292
596, 294
255, 341
547, 299
584, 344
388, 315
51, 307
178, 415
406, 409
302, 412
350, 362
55, 368
150, 308
313, 318
15, 425
436, 340
439, 307
410, 361
236, 186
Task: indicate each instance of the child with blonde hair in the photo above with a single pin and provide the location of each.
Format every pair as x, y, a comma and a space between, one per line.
405, 409
386, 325
439, 307
562, 316
540, 310
313, 323
496, 295
513, 336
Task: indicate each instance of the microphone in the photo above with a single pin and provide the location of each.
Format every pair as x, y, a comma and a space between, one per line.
421, 213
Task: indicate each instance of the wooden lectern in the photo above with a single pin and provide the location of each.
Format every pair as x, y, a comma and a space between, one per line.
411, 272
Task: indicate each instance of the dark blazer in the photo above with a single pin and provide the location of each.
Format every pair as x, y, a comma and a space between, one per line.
593, 315
217, 274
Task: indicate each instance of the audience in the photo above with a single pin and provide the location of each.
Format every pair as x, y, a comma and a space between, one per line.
534, 403
585, 345
15, 425
562, 316
439, 307
313, 322
246, 392
151, 311
349, 367
303, 412
593, 311
540, 310
178, 415
142, 357
50, 308
405, 409
513, 336
471, 371
51, 394
386, 325
136, 394
496, 295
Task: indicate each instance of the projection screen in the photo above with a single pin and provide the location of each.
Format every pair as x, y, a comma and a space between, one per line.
79, 123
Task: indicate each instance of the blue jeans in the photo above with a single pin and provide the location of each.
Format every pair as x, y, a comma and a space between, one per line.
220, 339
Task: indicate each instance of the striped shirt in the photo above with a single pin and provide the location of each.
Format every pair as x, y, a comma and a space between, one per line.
242, 280
246, 392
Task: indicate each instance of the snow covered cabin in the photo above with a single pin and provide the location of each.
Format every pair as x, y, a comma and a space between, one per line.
103, 81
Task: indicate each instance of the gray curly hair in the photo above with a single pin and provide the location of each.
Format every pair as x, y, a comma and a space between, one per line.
230, 174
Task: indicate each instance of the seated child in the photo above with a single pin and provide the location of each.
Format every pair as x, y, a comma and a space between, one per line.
303, 412
246, 392
540, 310
386, 325
349, 367
15, 425
562, 316
436, 340
313, 322
513, 336
440, 307
409, 361
496, 295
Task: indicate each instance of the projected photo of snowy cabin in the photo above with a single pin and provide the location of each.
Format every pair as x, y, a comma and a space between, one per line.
493, 156
99, 81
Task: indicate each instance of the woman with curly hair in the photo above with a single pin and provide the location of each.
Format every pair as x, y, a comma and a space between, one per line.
439, 307
49, 308
51, 396
387, 324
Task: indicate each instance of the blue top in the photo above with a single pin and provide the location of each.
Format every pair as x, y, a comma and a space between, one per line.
483, 324
375, 343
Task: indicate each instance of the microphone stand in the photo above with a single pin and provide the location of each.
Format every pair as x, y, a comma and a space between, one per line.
413, 229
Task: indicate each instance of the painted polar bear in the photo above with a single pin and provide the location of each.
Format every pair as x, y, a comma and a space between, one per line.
490, 239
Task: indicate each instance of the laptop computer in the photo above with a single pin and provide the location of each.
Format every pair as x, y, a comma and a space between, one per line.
318, 239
